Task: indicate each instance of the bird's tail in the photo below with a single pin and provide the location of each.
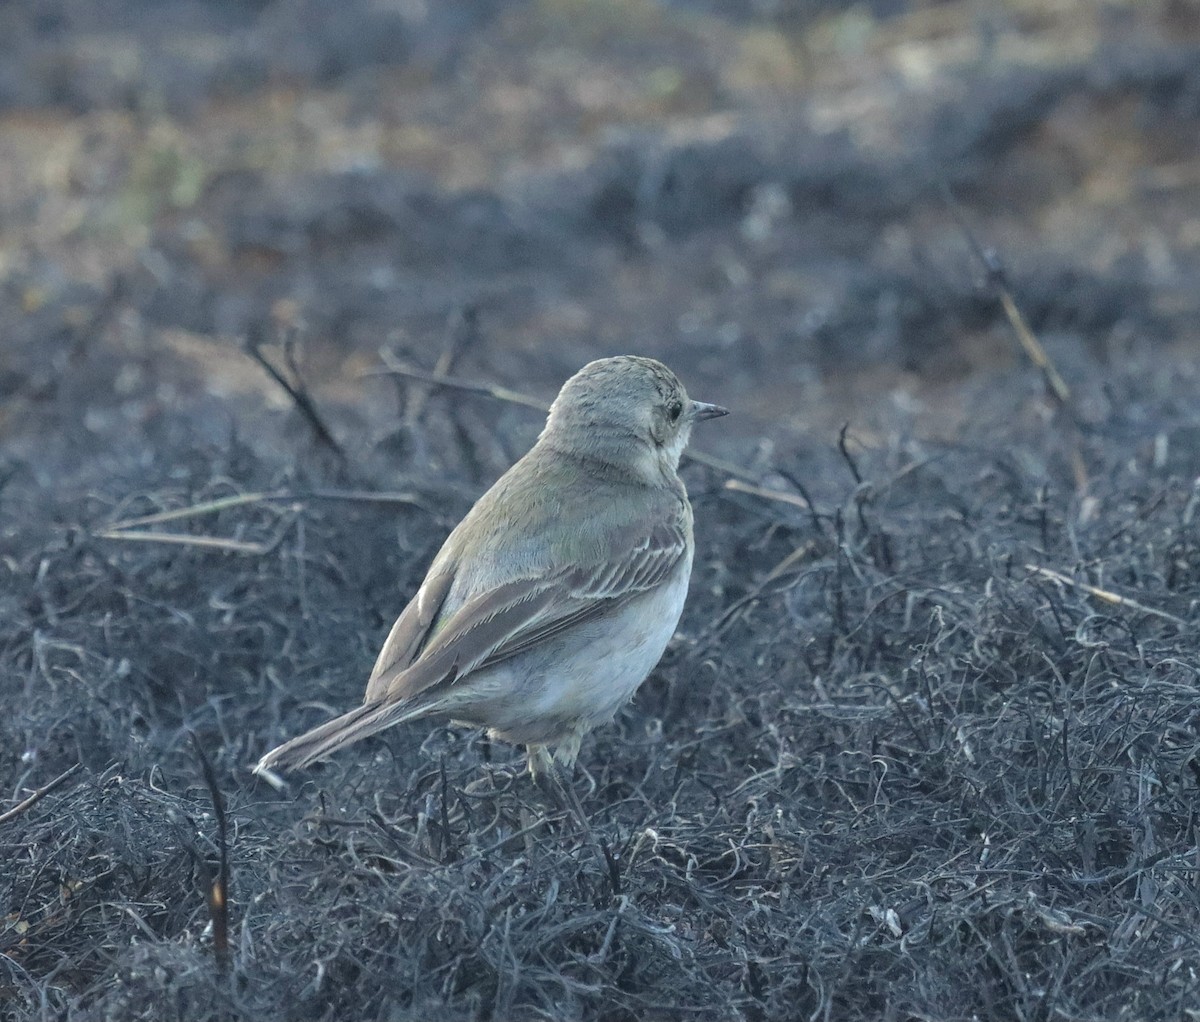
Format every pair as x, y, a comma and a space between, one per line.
336, 734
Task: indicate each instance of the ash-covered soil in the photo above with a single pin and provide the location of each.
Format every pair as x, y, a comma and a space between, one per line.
926, 744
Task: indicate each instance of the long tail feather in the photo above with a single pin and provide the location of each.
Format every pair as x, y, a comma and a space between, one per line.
336, 734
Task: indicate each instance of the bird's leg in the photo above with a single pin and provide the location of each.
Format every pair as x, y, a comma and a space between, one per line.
545, 776
552, 774
563, 767
567, 798
558, 771
553, 777
568, 750
540, 763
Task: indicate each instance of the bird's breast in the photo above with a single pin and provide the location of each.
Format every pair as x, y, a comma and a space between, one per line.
597, 666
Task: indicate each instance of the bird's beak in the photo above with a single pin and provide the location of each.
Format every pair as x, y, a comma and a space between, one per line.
700, 410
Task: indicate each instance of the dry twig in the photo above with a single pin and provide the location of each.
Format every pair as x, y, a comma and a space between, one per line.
129, 529
739, 486
217, 888
1104, 594
997, 279
28, 803
297, 390
461, 332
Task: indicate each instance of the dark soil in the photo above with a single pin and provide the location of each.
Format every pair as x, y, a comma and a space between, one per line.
927, 744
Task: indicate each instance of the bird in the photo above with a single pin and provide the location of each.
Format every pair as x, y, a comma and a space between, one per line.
554, 598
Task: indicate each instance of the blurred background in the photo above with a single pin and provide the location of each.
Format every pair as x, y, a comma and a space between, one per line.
753, 191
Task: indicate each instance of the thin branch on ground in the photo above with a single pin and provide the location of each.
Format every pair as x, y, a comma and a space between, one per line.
1104, 594
462, 330
28, 803
297, 390
997, 278
217, 892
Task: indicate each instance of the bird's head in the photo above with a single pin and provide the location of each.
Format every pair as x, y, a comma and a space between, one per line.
627, 405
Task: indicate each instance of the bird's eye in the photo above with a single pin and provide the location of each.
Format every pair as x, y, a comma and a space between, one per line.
675, 410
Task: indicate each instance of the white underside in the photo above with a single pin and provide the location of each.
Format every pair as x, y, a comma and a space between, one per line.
581, 678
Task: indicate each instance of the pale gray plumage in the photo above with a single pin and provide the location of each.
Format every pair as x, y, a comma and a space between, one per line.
555, 596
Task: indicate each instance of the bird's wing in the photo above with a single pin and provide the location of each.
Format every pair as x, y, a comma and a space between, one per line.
410, 632
517, 615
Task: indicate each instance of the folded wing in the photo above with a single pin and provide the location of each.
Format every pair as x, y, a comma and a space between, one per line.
518, 615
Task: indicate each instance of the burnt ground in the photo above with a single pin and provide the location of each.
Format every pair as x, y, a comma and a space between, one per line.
926, 745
